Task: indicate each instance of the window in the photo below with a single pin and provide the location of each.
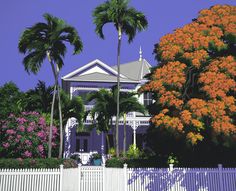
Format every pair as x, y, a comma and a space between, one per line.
77, 145
147, 99
85, 145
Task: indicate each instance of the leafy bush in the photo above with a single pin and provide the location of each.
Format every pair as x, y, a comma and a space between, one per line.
36, 163
134, 152
172, 159
115, 162
96, 156
153, 162
112, 151
76, 158
25, 136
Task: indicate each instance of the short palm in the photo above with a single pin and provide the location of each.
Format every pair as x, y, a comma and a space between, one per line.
46, 40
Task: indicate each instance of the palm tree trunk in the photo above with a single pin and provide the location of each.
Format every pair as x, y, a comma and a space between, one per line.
108, 142
118, 90
60, 119
51, 123
124, 144
52, 107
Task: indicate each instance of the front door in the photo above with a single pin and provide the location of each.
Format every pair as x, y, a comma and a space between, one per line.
82, 142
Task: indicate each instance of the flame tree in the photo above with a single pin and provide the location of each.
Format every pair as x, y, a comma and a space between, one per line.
194, 84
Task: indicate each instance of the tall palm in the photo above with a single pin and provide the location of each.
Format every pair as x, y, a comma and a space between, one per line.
126, 20
47, 40
129, 103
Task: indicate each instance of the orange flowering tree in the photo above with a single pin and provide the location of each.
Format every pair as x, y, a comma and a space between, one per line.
194, 84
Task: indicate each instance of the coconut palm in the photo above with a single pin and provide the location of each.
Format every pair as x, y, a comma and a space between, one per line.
47, 40
126, 20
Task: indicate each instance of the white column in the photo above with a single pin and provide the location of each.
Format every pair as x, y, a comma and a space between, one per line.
102, 148
71, 92
134, 125
134, 129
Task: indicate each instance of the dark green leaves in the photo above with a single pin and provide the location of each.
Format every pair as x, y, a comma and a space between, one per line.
120, 14
49, 37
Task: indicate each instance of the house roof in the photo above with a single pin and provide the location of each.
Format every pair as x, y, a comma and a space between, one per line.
98, 77
135, 70
98, 71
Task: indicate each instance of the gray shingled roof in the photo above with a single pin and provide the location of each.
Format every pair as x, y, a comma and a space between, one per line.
98, 77
135, 70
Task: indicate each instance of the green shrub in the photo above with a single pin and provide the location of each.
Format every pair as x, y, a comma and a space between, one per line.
134, 152
112, 152
37, 163
115, 162
172, 159
96, 156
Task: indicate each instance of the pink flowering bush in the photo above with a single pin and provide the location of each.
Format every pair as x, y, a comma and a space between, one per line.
25, 136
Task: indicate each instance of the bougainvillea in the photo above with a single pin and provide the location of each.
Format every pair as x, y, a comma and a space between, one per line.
194, 84
25, 136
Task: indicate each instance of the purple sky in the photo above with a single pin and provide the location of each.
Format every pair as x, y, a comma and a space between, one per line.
163, 15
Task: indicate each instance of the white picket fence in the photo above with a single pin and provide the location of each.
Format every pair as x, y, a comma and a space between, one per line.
90, 178
31, 179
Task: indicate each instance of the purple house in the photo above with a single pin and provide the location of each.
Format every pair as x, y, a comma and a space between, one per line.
92, 77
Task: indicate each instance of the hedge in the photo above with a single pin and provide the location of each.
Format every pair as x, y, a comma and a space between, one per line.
135, 163
37, 163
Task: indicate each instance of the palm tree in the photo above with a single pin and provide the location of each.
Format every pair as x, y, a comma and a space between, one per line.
126, 20
72, 108
40, 98
129, 103
103, 110
47, 40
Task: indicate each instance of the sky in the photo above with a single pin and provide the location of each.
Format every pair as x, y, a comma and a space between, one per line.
163, 16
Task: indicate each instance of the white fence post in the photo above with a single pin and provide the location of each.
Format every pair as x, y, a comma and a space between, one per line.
220, 176
79, 181
103, 176
125, 177
171, 168
61, 176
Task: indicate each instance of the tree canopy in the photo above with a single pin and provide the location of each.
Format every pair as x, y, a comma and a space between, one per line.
194, 84
11, 100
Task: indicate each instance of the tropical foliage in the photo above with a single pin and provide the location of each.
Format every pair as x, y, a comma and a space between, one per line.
25, 136
39, 99
11, 100
73, 107
47, 40
104, 109
127, 20
194, 84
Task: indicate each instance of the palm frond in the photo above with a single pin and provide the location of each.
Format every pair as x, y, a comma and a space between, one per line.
33, 61
70, 35
119, 13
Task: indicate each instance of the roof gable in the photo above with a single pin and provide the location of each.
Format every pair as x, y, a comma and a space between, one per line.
96, 66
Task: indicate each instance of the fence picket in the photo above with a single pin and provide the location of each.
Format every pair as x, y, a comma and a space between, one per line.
105, 179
